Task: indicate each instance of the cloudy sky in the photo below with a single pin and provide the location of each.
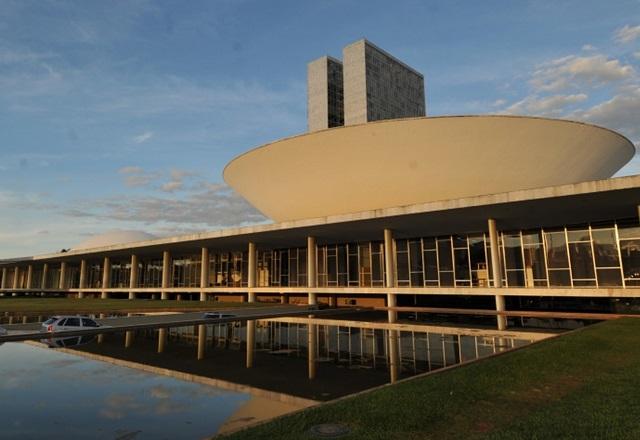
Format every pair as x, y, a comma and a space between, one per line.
120, 115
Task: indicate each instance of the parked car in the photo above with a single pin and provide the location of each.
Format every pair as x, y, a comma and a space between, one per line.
218, 315
62, 323
3, 331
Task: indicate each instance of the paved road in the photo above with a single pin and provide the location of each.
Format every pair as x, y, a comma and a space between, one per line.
23, 332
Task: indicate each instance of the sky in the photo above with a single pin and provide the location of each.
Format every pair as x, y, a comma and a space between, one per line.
121, 115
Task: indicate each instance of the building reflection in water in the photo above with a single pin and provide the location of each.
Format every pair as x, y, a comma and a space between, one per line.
313, 358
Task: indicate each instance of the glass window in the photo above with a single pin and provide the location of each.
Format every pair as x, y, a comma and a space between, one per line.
88, 323
431, 265
630, 250
534, 267
462, 264
62, 322
581, 261
72, 322
530, 238
515, 278
444, 254
579, 235
633, 232
556, 250
559, 278
609, 277
605, 248
512, 251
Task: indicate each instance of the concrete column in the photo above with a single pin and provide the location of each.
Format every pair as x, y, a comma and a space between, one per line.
29, 276
166, 274
162, 339
496, 271
204, 272
251, 342
5, 280
83, 278
133, 276
202, 339
106, 277
128, 338
251, 278
16, 278
24, 319
390, 275
312, 269
45, 270
62, 284
312, 348
101, 335
284, 298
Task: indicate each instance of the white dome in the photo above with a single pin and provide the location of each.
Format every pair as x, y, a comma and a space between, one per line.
113, 237
409, 161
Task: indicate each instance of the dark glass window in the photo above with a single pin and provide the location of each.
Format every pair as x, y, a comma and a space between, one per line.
609, 277
605, 248
72, 322
462, 264
444, 254
581, 260
630, 250
559, 278
556, 250
513, 252
431, 265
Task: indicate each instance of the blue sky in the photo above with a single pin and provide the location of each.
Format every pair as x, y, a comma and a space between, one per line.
121, 115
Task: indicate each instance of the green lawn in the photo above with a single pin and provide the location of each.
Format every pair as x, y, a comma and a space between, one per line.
61, 305
583, 385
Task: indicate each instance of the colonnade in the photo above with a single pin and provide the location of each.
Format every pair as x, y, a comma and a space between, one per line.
166, 282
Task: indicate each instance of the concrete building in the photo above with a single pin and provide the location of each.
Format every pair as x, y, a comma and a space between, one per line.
372, 85
325, 101
378, 86
501, 212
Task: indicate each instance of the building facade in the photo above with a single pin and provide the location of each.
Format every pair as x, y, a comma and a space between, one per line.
325, 100
378, 86
368, 85
507, 213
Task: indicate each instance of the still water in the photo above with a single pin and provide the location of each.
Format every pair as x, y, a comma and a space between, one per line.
195, 381
47, 393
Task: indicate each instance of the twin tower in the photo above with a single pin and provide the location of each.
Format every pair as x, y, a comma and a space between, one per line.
368, 85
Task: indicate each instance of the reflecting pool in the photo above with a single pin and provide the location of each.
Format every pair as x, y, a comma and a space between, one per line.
198, 380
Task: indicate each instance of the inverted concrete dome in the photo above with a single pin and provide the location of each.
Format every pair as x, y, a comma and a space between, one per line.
407, 161
113, 237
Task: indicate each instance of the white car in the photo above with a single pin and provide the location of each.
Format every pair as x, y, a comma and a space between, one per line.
3, 331
62, 323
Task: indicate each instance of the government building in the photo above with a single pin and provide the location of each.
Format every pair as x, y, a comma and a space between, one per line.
378, 204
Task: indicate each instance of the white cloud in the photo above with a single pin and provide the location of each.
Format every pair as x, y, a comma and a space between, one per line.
588, 48
135, 176
621, 112
636, 55
172, 186
576, 71
210, 205
545, 106
499, 102
144, 137
627, 34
